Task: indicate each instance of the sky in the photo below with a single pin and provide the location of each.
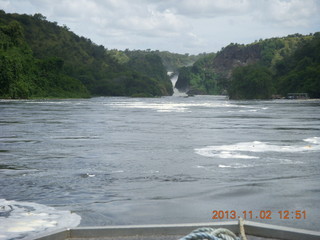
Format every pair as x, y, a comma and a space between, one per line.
180, 26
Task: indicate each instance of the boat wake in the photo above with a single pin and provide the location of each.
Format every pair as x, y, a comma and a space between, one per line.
19, 220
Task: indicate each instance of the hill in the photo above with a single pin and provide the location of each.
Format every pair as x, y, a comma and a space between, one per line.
69, 65
235, 69
40, 59
300, 72
24, 76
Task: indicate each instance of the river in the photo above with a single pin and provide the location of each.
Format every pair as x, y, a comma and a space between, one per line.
116, 160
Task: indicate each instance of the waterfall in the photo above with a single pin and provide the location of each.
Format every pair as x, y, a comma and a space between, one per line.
174, 78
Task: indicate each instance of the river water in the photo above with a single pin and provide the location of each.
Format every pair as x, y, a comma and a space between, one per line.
161, 160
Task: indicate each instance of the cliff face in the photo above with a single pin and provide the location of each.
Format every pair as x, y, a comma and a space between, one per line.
233, 56
210, 75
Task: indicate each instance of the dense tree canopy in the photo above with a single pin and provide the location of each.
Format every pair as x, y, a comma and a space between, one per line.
200, 78
300, 72
23, 76
296, 72
38, 58
275, 66
251, 82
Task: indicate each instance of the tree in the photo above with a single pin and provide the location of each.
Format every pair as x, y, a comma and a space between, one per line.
300, 72
251, 82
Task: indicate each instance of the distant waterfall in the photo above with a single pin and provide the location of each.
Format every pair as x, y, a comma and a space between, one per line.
174, 78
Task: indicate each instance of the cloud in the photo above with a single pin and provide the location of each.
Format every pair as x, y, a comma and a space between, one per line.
152, 23
83, 9
284, 12
293, 13
4, 4
176, 25
205, 8
130, 17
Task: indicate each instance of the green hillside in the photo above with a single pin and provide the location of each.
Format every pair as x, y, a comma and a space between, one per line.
300, 72
24, 76
258, 70
69, 65
39, 59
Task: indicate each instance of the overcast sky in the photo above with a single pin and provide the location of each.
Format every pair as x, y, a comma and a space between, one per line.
182, 26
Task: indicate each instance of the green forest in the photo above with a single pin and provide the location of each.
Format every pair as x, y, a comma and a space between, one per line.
39, 59
265, 69
297, 72
24, 76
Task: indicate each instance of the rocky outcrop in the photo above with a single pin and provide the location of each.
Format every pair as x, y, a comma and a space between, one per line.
235, 55
214, 73
210, 75
193, 92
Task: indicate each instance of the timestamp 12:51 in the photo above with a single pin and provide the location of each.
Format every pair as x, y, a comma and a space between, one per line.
262, 214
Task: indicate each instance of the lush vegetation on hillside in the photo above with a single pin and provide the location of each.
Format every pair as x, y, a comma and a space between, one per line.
300, 72
251, 82
201, 77
23, 76
275, 66
282, 70
39, 59
55, 62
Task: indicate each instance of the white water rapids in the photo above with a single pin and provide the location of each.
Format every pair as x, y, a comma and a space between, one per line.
174, 79
124, 161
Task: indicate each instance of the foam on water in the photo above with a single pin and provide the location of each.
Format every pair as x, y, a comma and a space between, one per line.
236, 165
313, 140
20, 220
237, 150
170, 106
